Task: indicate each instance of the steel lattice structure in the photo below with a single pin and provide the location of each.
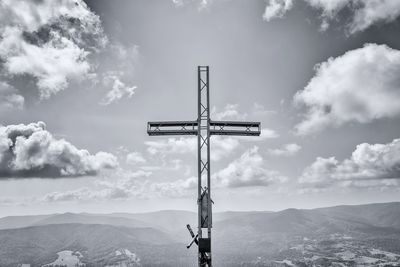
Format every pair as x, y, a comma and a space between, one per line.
204, 128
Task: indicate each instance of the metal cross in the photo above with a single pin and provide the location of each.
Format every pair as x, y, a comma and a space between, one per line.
203, 127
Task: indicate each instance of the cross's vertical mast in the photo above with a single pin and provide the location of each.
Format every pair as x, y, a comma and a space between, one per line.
204, 192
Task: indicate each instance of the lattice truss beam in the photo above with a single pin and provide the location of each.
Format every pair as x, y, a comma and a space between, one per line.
239, 128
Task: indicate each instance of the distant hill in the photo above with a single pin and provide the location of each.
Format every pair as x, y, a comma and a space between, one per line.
11, 222
170, 221
98, 243
251, 238
380, 214
262, 232
84, 218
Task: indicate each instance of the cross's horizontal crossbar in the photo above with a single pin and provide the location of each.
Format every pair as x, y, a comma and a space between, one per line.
172, 128
172, 123
241, 128
235, 123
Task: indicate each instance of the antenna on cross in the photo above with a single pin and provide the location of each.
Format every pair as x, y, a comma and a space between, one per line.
203, 127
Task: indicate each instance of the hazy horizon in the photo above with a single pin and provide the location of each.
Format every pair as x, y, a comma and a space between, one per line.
194, 211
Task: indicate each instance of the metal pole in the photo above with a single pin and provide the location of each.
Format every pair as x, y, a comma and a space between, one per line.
199, 158
208, 165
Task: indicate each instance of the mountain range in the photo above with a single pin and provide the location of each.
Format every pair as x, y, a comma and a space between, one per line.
348, 235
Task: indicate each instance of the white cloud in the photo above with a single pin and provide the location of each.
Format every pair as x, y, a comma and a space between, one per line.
127, 186
10, 98
135, 158
229, 112
248, 170
176, 189
267, 134
90, 194
363, 13
31, 151
287, 150
222, 147
118, 91
118, 66
49, 40
260, 110
178, 3
167, 165
79, 194
52, 64
329, 7
276, 9
369, 165
180, 145
362, 85
202, 4
372, 12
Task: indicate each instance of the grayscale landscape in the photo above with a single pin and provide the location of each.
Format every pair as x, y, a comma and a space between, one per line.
199, 133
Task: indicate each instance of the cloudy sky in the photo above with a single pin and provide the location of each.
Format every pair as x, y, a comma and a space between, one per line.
80, 79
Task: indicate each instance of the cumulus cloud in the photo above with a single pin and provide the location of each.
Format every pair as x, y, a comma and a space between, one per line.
89, 194
248, 170
369, 165
267, 134
31, 151
167, 165
178, 3
202, 4
229, 112
135, 158
276, 9
9, 97
118, 91
286, 150
360, 86
363, 13
220, 146
128, 186
80, 194
373, 11
260, 110
49, 40
180, 145
329, 8
118, 66
176, 189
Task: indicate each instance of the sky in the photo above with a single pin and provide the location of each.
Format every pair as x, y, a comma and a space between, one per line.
80, 79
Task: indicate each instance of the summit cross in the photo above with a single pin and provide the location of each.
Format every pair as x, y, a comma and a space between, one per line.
204, 128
